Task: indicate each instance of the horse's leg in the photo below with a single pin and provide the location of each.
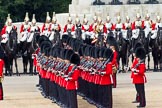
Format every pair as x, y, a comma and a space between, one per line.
17, 72
31, 66
148, 61
24, 64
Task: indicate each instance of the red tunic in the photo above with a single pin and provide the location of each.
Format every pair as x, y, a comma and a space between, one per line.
106, 79
139, 77
1, 67
135, 61
114, 60
3, 31
22, 28
72, 83
66, 28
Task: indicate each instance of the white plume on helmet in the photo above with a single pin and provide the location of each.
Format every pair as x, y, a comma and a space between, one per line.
26, 17
33, 19
48, 18
69, 18
77, 18
138, 15
85, 19
54, 17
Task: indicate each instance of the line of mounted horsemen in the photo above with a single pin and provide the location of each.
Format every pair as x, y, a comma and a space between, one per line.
127, 34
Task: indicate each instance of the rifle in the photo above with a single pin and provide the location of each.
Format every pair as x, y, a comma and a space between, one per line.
141, 61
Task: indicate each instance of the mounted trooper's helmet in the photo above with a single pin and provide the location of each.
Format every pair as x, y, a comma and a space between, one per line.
34, 20
118, 19
138, 16
108, 18
158, 19
26, 17
127, 18
54, 18
9, 20
99, 20
85, 19
69, 19
95, 18
48, 18
77, 20
147, 17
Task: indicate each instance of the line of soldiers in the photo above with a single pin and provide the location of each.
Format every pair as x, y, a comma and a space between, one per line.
89, 31
90, 71
59, 78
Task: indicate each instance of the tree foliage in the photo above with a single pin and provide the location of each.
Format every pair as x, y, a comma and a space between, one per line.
18, 8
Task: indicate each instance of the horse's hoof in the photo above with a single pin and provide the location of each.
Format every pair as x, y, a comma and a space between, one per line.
155, 70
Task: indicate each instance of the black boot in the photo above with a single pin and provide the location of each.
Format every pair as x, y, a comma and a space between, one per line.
152, 2
133, 2
116, 2
98, 2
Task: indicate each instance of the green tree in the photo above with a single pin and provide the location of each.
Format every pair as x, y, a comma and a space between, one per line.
18, 8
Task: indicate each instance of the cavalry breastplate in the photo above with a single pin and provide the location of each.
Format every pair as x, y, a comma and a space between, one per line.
8, 29
158, 25
47, 26
108, 25
69, 26
127, 25
119, 26
34, 28
86, 27
99, 28
94, 25
147, 24
26, 27
54, 26
138, 23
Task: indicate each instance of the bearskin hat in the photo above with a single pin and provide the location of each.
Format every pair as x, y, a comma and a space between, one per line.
97, 50
108, 53
68, 54
138, 44
87, 50
64, 38
101, 52
75, 59
112, 42
140, 53
42, 38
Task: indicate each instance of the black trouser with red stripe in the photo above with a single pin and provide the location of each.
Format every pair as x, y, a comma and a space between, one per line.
105, 98
1, 91
140, 88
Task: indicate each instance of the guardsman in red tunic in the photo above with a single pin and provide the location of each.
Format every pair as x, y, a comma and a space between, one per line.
135, 61
72, 81
113, 45
106, 80
46, 26
1, 72
6, 30
139, 78
25, 28
69, 27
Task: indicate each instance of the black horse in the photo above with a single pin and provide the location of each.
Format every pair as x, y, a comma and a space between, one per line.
78, 33
160, 46
11, 49
27, 51
123, 43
